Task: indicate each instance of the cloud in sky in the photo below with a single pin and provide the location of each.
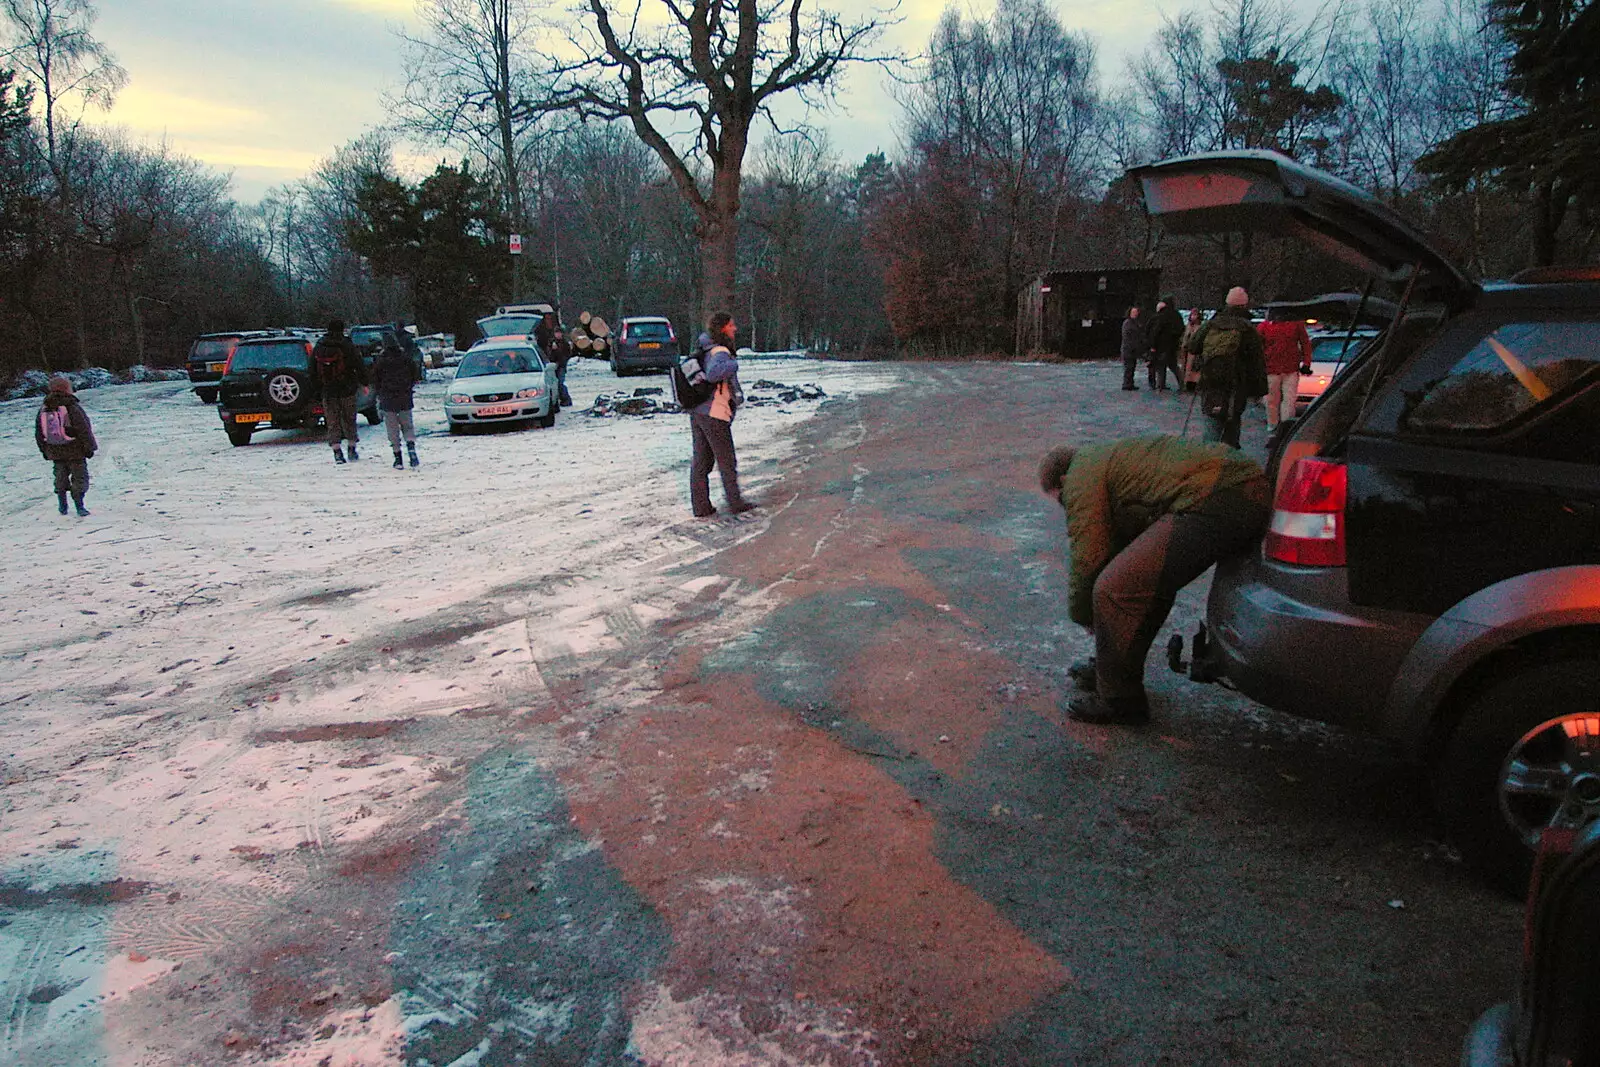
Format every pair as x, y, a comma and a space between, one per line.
265, 88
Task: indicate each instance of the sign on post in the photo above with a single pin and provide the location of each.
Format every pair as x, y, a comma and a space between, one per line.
516, 244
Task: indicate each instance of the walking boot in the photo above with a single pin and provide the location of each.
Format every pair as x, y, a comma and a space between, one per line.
61, 502
1083, 676
399, 464
78, 500
338, 455
411, 447
353, 455
741, 507
1109, 711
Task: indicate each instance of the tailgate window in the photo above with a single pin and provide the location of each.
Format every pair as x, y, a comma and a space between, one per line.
1512, 369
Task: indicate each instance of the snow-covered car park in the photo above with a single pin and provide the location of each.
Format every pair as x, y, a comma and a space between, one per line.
305, 763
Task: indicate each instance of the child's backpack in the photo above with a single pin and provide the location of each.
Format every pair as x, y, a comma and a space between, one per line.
56, 425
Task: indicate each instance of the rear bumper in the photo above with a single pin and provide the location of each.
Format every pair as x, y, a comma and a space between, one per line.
1289, 638
645, 360
198, 375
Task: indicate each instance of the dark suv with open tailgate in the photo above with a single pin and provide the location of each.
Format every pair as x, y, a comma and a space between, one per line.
1432, 569
271, 383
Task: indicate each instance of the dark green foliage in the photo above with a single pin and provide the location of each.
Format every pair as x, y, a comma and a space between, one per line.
1548, 148
446, 237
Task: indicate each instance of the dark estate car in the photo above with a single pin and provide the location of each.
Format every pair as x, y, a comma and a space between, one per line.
1431, 574
271, 383
644, 344
208, 358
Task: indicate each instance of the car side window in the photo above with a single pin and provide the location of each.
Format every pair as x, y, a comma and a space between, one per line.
1510, 370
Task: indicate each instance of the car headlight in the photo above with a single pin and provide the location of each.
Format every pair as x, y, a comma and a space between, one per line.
460, 398
529, 394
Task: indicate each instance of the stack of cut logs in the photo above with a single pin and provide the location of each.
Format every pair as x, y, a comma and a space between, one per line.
592, 337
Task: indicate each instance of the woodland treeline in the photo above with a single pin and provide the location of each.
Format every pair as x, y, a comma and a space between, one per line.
643, 173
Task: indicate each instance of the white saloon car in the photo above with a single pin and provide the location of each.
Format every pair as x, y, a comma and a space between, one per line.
501, 380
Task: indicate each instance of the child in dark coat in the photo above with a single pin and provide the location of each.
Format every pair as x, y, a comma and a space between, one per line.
66, 438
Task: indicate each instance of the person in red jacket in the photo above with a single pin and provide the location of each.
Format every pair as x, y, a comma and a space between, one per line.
1288, 355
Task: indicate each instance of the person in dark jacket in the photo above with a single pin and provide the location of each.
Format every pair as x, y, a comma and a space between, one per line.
66, 438
1166, 334
395, 375
561, 355
342, 374
1135, 343
408, 345
1146, 516
711, 422
1230, 358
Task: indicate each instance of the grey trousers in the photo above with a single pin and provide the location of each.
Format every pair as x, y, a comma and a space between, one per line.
1135, 592
397, 423
340, 414
713, 447
72, 475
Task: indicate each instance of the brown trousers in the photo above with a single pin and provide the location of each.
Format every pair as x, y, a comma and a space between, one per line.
339, 412
1136, 591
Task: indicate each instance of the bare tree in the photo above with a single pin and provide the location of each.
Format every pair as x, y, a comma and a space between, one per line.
468, 85
53, 48
715, 66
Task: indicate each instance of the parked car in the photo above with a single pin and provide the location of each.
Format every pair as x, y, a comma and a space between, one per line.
645, 343
271, 383
1331, 354
208, 359
1431, 573
1554, 1017
499, 381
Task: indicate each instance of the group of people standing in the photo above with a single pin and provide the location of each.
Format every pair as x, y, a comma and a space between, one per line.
1227, 359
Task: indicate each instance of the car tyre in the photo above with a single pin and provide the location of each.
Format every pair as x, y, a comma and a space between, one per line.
240, 438
1531, 713
547, 421
615, 369
207, 396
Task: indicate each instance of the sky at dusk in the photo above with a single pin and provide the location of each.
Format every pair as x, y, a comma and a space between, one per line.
264, 89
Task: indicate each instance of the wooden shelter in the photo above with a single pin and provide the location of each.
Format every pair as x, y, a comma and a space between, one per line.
1078, 313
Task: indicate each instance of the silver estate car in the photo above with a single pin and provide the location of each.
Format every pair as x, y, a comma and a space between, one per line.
501, 380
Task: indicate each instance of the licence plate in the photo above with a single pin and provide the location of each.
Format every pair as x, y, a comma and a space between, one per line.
216, 368
498, 409
649, 344
259, 416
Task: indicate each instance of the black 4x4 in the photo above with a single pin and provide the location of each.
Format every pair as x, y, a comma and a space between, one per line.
271, 382
1432, 569
208, 358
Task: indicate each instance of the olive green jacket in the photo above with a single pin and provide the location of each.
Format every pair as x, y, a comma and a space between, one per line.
1113, 492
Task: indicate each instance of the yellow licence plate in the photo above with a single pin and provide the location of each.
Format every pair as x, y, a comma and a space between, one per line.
649, 344
259, 416
216, 368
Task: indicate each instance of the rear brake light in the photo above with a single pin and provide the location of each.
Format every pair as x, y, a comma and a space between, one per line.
1308, 515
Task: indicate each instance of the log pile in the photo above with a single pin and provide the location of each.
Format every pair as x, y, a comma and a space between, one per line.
592, 337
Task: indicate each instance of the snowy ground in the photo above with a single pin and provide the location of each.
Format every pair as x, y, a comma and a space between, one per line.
221, 598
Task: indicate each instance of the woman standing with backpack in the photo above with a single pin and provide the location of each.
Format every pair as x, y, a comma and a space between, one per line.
711, 421
66, 438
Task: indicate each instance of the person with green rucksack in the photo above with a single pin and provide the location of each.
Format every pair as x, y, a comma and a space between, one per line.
1232, 363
